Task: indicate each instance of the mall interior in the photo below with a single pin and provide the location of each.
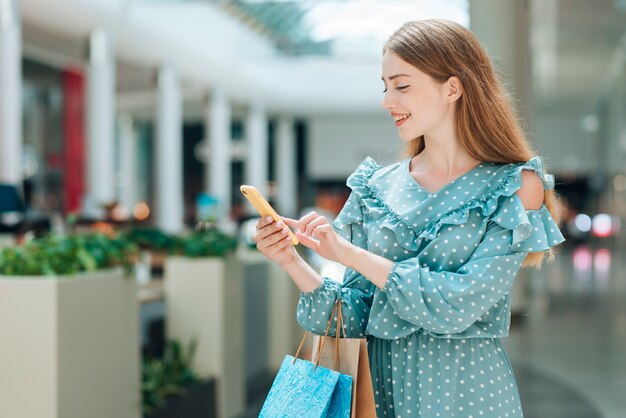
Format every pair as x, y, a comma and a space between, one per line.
130, 285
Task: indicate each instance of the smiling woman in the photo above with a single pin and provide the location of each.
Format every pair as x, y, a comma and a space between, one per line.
432, 243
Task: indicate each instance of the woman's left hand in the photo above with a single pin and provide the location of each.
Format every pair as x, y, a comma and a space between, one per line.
315, 232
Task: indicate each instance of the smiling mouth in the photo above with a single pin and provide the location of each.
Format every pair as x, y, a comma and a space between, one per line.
399, 120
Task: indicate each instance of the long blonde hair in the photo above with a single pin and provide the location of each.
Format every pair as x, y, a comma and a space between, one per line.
485, 121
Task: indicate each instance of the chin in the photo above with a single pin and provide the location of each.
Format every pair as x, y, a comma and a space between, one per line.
408, 136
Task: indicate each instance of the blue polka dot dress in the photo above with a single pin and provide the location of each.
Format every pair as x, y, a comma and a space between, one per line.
434, 330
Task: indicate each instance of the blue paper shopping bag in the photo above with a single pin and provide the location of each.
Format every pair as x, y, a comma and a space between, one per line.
306, 390
301, 389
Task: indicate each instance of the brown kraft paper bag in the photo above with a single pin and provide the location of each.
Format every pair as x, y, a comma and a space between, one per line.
350, 357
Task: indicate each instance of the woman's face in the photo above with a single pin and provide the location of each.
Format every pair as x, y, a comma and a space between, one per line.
417, 102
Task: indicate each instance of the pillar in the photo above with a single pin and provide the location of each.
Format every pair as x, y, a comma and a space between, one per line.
128, 162
503, 27
168, 168
218, 172
286, 176
100, 164
258, 150
10, 93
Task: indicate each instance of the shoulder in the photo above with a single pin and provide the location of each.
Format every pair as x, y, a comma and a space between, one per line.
531, 190
370, 169
528, 180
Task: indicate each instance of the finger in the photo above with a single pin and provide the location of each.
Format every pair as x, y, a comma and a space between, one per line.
268, 230
262, 234
264, 221
291, 222
308, 241
321, 230
309, 217
281, 246
278, 248
272, 239
314, 224
304, 221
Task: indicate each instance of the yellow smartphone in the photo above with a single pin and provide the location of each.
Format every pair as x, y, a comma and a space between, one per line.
263, 207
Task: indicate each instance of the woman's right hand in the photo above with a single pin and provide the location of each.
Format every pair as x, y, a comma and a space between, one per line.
273, 240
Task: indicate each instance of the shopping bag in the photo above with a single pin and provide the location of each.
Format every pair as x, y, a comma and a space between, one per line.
305, 389
349, 357
302, 389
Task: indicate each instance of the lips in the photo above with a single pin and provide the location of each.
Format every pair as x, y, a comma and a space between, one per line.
399, 119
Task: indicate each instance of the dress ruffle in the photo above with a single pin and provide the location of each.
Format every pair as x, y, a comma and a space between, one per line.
533, 230
358, 181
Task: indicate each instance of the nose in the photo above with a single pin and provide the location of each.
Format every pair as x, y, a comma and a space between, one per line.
387, 103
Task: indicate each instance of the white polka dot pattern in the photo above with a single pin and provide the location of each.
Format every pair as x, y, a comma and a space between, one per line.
433, 331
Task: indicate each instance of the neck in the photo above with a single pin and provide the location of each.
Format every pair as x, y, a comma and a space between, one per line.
446, 158
444, 153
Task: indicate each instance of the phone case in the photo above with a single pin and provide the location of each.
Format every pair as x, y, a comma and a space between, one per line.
262, 206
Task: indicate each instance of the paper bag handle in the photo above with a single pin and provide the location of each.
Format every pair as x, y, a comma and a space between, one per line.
339, 329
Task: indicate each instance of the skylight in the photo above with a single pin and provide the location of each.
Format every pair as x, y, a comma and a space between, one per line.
355, 28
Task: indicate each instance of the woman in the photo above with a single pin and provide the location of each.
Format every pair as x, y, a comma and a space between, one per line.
432, 243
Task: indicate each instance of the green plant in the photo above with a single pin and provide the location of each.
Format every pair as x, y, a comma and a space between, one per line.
65, 255
167, 376
210, 243
151, 239
206, 244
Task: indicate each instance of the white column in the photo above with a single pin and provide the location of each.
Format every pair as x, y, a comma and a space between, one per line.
257, 159
100, 144
168, 168
218, 172
128, 162
10, 93
286, 176
502, 26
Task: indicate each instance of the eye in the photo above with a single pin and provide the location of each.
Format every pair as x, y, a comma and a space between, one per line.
401, 87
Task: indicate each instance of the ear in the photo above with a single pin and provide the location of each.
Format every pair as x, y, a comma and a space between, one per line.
454, 89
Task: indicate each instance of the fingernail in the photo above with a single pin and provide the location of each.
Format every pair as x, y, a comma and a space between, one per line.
284, 231
269, 219
279, 224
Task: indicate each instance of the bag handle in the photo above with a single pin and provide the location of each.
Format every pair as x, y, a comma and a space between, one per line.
339, 330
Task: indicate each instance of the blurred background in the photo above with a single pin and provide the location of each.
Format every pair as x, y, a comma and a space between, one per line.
127, 126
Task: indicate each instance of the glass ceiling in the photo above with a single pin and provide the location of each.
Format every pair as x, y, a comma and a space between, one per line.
343, 28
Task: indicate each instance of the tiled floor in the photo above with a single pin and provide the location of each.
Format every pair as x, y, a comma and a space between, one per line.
574, 335
569, 350
545, 397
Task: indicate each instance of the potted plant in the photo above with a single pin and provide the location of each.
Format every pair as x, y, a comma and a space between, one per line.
69, 329
154, 242
203, 291
170, 388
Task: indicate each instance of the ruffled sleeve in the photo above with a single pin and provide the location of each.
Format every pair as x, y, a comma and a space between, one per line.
533, 230
356, 292
447, 302
352, 212
450, 302
496, 202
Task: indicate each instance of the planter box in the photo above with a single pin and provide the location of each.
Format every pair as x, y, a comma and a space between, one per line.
197, 401
70, 346
204, 299
284, 330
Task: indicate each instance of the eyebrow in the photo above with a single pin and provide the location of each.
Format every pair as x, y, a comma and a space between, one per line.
395, 76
